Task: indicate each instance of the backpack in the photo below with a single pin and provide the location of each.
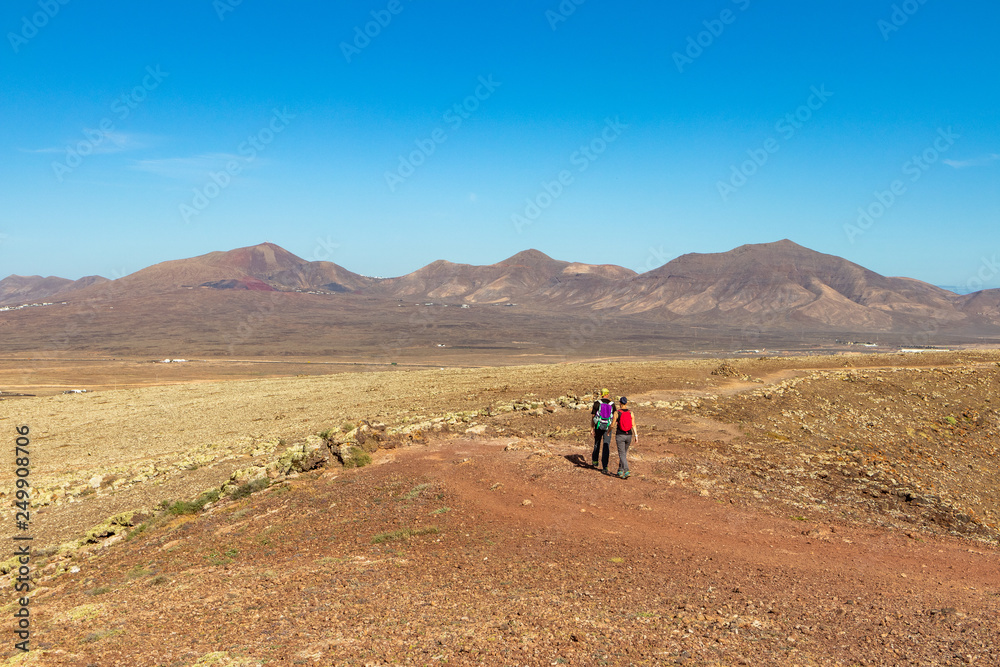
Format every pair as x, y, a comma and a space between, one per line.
625, 420
604, 416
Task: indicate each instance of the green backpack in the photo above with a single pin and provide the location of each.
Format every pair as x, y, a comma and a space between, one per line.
604, 416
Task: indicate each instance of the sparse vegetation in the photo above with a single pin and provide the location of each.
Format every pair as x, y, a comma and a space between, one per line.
84, 612
414, 492
244, 490
226, 557
357, 458
857, 465
140, 529
404, 534
182, 507
264, 536
224, 659
138, 572
98, 636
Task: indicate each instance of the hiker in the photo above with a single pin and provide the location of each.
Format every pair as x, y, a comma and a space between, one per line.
625, 435
603, 415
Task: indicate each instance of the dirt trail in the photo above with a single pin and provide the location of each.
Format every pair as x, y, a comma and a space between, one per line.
519, 554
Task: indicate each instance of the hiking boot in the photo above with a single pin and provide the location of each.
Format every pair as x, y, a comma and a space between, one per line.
604, 470
594, 464
622, 474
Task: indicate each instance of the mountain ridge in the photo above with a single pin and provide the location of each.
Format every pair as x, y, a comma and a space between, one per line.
780, 284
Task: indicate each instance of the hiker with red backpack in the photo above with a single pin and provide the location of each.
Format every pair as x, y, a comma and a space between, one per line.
625, 435
603, 415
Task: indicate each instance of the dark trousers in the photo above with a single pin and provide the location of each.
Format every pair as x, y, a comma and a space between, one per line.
602, 436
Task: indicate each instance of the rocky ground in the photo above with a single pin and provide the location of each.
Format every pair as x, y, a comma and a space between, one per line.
792, 512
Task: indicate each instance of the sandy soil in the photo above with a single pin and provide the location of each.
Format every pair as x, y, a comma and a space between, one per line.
517, 557
781, 512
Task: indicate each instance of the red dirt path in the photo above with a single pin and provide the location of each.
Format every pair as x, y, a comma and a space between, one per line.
537, 560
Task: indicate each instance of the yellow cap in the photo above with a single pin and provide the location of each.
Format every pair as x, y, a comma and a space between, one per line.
605, 392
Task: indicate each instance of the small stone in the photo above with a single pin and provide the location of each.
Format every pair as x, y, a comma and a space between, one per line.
526, 502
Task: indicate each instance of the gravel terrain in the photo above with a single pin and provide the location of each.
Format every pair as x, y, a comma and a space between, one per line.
781, 512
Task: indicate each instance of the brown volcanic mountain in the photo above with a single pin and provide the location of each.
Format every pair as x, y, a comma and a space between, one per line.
983, 305
16, 290
263, 268
214, 301
783, 283
521, 277
325, 276
245, 268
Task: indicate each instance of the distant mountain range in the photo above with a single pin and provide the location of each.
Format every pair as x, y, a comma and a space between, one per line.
766, 286
16, 290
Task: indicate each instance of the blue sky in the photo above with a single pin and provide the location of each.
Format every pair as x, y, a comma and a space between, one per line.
625, 133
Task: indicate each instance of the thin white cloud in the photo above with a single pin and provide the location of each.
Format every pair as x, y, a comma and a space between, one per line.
984, 161
42, 150
98, 142
186, 168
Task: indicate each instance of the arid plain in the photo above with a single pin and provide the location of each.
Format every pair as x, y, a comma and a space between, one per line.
808, 510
